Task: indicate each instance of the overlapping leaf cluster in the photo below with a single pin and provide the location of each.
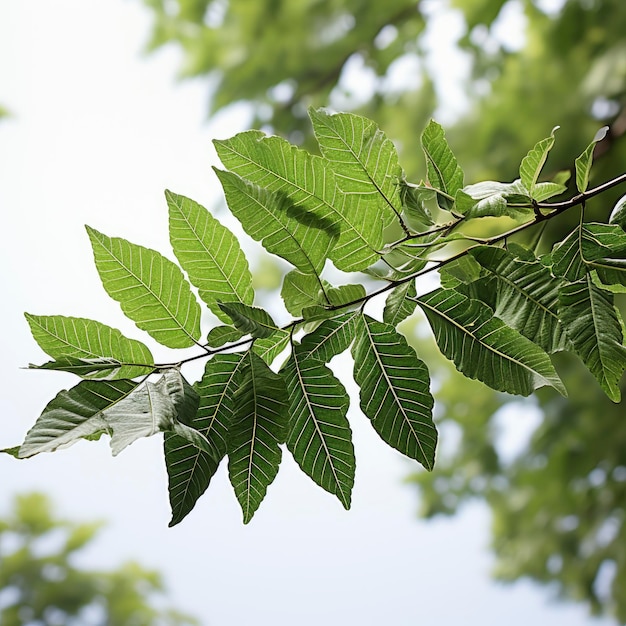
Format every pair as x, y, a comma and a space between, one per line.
499, 313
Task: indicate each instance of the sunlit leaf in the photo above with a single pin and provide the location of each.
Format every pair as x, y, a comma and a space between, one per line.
492, 199
221, 335
151, 290
484, 347
400, 303
209, 253
332, 337
394, 390
585, 160
533, 162
308, 183
84, 347
270, 347
320, 438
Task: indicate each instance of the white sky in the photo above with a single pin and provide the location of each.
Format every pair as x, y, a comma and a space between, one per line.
99, 132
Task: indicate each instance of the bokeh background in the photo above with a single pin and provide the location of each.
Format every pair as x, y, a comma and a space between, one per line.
98, 123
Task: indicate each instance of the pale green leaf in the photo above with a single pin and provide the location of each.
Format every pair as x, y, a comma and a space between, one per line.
526, 297
300, 237
302, 290
259, 425
308, 183
85, 346
221, 335
320, 438
269, 348
492, 199
150, 289
484, 347
443, 171
364, 160
249, 320
533, 162
591, 323
124, 409
584, 161
189, 468
394, 390
209, 253
547, 190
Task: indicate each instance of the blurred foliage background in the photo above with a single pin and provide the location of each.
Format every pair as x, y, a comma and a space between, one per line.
41, 583
515, 69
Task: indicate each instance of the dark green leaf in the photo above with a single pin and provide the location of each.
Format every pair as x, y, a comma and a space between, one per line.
259, 425
332, 337
394, 392
400, 303
484, 347
319, 437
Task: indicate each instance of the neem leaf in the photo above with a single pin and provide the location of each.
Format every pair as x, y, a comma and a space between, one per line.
89, 348
259, 425
320, 438
249, 320
209, 253
150, 288
533, 162
584, 161
484, 347
394, 392
443, 170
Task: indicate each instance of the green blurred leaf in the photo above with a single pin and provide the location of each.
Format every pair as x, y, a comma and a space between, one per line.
84, 347
394, 390
151, 290
209, 253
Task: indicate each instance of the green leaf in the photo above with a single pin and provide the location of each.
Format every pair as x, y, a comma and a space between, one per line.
584, 161
394, 394
284, 229
221, 335
85, 346
320, 438
302, 290
151, 290
592, 325
209, 253
268, 349
533, 162
443, 171
492, 199
250, 320
364, 160
190, 468
346, 295
547, 190
484, 347
14, 451
415, 200
526, 297
400, 303
610, 274
259, 425
308, 183
125, 409
332, 337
